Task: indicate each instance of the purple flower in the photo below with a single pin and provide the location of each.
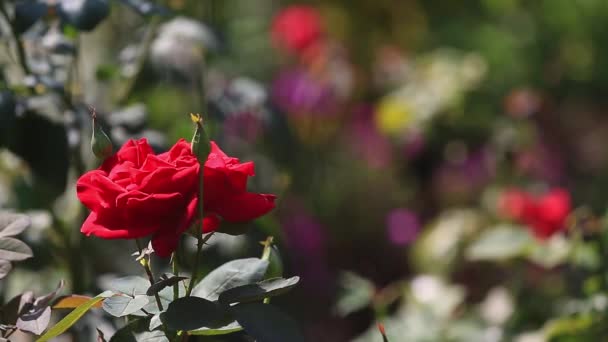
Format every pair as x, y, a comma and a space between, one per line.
299, 93
402, 226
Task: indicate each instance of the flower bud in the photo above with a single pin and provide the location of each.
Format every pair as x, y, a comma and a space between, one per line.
100, 142
200, 141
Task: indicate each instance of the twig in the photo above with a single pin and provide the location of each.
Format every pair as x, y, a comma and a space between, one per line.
199, 248
146, 264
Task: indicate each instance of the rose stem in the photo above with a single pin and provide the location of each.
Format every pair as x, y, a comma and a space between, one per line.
175, 268
199, 227
146, 264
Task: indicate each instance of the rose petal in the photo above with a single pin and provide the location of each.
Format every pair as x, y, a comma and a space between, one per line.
107, 226
244, 207
96, 191
135, 151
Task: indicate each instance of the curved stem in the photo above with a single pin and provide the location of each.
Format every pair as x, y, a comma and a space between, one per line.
146, 264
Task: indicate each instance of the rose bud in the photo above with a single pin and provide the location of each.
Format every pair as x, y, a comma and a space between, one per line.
100, 142
200, 141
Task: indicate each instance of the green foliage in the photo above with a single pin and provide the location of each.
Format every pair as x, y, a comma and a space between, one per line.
73, 317
266, 323
258, 291
229, 275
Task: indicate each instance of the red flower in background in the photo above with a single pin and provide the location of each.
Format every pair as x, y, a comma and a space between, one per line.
545, 215
297, 28
136, 193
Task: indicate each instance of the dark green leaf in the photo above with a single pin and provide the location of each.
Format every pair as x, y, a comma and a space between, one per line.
162, 283
12, 224
265, 323
254, 292
8, 116
10, 311
189, 313
73, 317
231, 274
120, 306
14, 250
43, 144
27, 13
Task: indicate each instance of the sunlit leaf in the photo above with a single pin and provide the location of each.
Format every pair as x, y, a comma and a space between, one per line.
120, 306
231, 274
14, 250
5, 268
356, 294
73, 301
12, 224
227, 328
500, 243
73, 317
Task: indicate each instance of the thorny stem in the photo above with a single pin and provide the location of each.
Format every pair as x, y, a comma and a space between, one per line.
199, 248
146, 264
199, 228
175, 269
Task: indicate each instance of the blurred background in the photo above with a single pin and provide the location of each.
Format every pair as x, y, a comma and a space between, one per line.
406, 140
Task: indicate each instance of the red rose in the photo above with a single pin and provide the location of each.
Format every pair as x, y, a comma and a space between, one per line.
136, 193
516, 204
296, 28
545, 215
552, 209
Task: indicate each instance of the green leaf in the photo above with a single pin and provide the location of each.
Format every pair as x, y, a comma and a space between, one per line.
131, 285
5, 268
231, 274
151, 336
14, 250
155, 322
500, 243
190, 313
35, 317
265, 323
35, 322
127, 332
224, 329
253, 292
73, 317
356, 294
275, 268
12, 224
551, 252
166, 297
120, 306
